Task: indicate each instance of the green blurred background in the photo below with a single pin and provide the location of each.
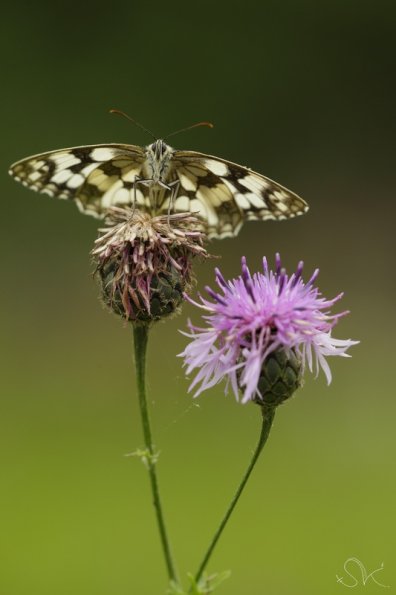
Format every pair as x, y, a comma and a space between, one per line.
303, 92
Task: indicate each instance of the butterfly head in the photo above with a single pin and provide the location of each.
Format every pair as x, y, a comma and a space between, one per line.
157, 149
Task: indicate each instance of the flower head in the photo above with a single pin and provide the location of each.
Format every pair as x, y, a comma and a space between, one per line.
252, 322
145, 263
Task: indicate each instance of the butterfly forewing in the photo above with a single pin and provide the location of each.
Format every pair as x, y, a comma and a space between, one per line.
95, 176
226, 194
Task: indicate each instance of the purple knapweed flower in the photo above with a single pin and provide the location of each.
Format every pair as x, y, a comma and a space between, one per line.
252, 317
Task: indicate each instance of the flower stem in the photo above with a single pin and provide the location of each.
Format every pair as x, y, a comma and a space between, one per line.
268, 416
140, 335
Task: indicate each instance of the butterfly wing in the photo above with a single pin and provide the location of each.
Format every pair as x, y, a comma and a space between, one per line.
225, 194
96, 177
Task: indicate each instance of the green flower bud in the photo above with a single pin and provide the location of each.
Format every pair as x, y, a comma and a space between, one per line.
143, 300
280, 377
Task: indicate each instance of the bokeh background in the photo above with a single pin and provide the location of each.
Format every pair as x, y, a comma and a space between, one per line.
303, 92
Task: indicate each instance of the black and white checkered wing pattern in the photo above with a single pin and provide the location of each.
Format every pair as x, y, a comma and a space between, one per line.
226, 194
96, 177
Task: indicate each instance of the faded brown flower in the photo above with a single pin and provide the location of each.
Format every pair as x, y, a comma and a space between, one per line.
145, 263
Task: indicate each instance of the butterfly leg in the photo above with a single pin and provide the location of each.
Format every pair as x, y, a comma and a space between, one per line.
137, 181
173, 188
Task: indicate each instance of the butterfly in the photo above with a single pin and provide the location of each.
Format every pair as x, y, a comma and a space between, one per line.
159, 179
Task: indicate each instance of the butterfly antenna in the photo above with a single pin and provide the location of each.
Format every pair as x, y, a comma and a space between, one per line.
208, 124
118, 112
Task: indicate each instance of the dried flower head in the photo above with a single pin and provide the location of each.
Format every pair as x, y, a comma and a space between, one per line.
260, 330
145, 263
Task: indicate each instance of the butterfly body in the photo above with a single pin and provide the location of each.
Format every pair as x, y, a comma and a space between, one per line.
156, 171
159, 158
158, 179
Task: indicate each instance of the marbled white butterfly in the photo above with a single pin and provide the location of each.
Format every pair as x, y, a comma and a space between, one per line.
158, 179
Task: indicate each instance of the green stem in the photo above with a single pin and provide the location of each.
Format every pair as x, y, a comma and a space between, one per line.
140, 335
268, 416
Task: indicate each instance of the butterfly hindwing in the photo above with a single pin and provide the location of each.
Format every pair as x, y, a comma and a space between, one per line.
226, 194
94, 176
208, 198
